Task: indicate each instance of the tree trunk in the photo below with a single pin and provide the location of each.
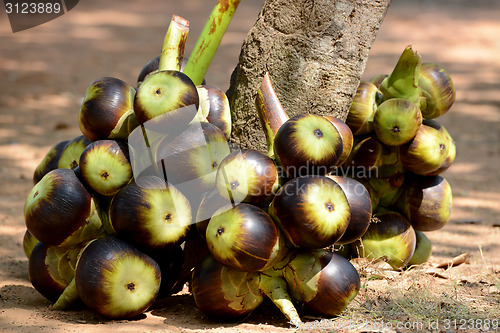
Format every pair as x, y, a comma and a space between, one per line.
315, 52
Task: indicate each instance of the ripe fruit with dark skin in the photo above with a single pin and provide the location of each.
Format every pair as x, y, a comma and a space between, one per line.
426, 152
362, 109
214, 106
224, 293
347, 137
437, 90
308, 144
166, 92
360, 206
105, 167
325, 282
57, 207
244, 237
50, 161
427, 202
312, 211
70, 155
397, 121
107, 103
151, 216
390, 237
116, 280
423, 249
247, 175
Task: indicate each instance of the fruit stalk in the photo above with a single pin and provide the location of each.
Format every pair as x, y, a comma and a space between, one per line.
172, 50
270, 111
207, 44
276, 289
403, 81
172, 53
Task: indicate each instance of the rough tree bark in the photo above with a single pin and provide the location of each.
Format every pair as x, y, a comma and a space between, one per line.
315, 52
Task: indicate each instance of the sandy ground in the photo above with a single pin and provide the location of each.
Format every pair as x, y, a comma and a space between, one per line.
44, 72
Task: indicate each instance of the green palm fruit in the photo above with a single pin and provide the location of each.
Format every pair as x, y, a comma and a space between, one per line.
423, 249
426, 152
390, 237
397, 121
452, 151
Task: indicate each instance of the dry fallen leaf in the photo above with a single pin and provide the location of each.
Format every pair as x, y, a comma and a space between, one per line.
458, 260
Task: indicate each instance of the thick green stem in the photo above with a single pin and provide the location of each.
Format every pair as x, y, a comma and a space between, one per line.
403, 81
172, 50
276, 289
204, 50
270, 111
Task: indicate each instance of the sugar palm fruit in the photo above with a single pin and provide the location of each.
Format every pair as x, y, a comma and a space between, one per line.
104, 113
426, 152
397, 121
324, 281
362, 109
225, 293
437, 90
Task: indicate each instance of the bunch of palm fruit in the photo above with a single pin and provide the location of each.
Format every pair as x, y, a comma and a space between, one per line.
272, 216
399, 153
104, 227
152, 187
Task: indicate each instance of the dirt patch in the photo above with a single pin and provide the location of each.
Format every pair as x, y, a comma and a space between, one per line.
46, 70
